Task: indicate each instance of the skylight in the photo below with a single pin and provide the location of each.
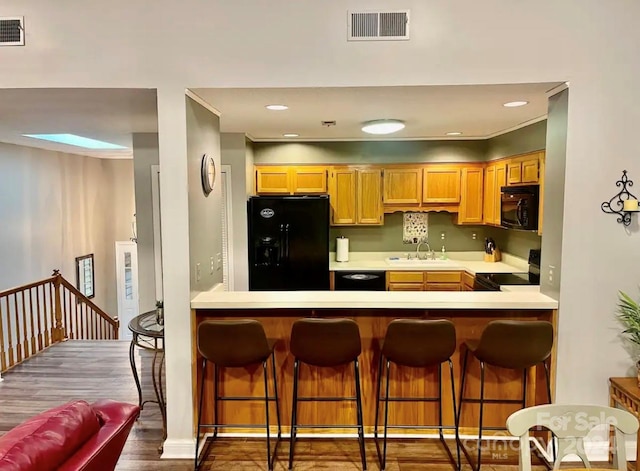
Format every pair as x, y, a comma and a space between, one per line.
78, 141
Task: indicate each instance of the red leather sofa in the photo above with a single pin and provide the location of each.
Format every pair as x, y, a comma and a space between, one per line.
73, 437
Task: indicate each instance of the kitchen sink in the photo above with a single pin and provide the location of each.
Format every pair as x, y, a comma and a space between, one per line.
416, 262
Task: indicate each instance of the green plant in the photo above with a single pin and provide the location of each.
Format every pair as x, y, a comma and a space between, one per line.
628, 313
159, 304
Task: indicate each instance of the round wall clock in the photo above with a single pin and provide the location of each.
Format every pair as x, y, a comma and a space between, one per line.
208, 173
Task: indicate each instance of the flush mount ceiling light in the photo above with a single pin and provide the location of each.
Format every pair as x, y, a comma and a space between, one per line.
383, 126
513, 104
290, 134
277, 107
454, 133
78, 141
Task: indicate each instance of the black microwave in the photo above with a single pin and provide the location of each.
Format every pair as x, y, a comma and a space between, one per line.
519, 207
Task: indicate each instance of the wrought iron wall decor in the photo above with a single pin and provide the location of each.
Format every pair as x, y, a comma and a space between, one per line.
624, 204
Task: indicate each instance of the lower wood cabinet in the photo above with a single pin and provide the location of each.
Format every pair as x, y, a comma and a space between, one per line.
468, 280
425, 280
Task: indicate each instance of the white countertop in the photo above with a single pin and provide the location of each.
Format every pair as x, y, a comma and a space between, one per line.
520, 288
469, 261
371, 300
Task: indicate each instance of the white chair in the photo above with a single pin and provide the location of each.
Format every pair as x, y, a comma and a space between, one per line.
570, 424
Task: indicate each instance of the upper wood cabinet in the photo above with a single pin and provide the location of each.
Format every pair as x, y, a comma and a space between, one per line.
489, 200
470, 211
308, 180
369, 197
495, 177
402, 186
342, 196
441, 184
523, 169
356, 196
272, 180
279, 180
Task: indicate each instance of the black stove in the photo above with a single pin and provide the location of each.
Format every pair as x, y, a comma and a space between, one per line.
493, 281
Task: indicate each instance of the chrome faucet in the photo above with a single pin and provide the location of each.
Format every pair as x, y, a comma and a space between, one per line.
430, 253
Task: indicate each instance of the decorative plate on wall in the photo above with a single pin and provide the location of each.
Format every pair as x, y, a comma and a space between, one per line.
208, 174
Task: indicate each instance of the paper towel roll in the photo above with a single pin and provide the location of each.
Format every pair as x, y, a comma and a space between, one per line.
342, 249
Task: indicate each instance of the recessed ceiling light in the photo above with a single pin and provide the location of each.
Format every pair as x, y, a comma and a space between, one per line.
78, 141
277, 107
513, 104
454, 133
383, 126
291, 134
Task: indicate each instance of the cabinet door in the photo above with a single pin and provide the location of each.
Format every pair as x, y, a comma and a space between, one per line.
272, 180
441, 184
369, 199
501, 180
530, 170
443, 287
406, 287
308, 180
489, 194
343, 196
470, 211
514, 172
402, 186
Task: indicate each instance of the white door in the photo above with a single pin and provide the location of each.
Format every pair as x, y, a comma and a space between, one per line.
227, 229
127, 285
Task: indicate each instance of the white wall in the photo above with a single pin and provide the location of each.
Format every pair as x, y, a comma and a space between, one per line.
233, 149
55, 207
205, 212
145, 154
282, 43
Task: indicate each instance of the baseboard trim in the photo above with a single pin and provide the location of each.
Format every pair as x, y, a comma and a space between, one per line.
178, 449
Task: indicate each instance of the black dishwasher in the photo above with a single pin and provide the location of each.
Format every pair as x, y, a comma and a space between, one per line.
359, 281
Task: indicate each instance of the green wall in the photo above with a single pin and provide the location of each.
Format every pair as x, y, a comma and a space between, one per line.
388, 238
528, 139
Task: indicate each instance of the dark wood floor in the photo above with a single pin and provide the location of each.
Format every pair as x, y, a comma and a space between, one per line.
93, 370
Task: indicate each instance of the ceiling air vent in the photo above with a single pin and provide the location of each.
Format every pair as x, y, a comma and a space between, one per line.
12, 31
378, 25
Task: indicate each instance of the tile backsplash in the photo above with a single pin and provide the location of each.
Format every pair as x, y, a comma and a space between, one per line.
390, 237
415, 228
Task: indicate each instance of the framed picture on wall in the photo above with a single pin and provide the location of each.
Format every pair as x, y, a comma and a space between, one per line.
85, 275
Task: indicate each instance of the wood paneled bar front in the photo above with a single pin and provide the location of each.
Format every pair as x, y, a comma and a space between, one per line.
469, 311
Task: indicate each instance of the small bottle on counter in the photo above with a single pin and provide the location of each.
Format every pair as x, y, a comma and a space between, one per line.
443, 256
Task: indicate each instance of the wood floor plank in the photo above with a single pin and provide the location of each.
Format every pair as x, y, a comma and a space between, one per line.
93, 370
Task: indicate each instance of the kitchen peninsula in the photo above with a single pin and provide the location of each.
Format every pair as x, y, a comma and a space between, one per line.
469, 311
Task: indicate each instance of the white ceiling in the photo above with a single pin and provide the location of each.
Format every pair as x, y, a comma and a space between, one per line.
113, 115
429, 112
110, 115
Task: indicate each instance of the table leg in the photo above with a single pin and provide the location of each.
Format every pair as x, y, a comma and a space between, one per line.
157, 386
134, 370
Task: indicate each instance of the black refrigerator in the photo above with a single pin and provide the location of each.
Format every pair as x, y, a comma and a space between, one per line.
288, 243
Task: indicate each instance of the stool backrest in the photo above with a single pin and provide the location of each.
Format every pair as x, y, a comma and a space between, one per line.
325, 342
419, 342
570, 424
233, 343
515, 344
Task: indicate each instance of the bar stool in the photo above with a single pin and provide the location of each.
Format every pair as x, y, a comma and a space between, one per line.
326, 343
236, 344
514, 345
417, 344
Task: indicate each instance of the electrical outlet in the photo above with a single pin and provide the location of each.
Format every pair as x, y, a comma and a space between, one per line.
219, 261
197, 272
442, 236
211, 265
551, 268
474, 236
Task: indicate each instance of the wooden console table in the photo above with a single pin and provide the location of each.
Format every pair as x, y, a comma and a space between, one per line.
625, 392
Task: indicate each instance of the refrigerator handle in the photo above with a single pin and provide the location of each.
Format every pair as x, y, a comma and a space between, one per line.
282, 244
286, 247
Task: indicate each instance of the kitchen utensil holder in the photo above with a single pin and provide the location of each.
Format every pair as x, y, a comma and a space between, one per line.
493, 257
